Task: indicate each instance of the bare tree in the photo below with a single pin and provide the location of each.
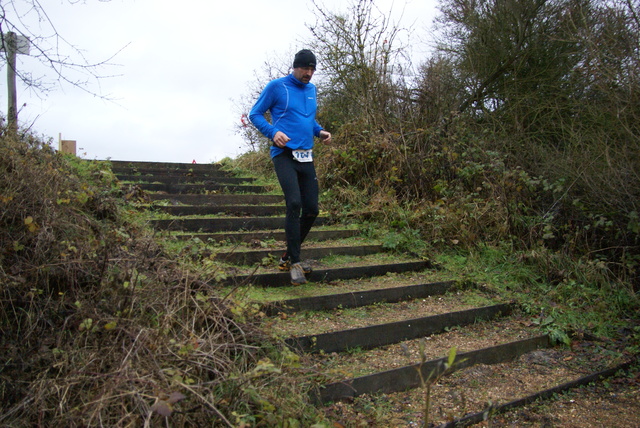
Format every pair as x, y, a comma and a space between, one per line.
277, 66
361, 52
28, 19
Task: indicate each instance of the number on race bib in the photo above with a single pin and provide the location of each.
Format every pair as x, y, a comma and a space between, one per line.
303, 155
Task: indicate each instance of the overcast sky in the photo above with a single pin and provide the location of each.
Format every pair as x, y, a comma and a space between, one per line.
180, 69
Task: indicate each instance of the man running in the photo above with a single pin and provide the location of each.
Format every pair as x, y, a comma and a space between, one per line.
291, 100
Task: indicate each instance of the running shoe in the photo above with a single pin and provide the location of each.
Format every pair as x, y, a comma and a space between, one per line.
297, 274
285, 265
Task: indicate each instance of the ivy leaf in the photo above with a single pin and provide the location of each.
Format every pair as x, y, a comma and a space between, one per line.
86, 324
264, 366
110, 325
31, 225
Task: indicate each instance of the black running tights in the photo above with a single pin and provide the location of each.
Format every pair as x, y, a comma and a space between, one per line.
300, 187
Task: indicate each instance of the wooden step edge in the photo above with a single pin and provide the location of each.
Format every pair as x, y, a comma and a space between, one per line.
237, 210
124, 174
408, 377
386, 334
146, 165
542, 395
217, 198
257, 236
195, 189
170, 180
237, 207
222, 224
326, 275
358, 298
315, 253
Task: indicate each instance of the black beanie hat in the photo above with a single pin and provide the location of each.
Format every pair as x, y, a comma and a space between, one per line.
304, 58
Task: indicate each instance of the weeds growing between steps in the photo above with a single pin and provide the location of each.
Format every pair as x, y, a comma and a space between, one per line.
103, 323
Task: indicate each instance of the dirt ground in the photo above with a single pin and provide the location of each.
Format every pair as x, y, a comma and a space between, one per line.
614, 402
608, 404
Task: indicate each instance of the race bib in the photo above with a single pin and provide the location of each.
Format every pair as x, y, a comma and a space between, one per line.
303, 155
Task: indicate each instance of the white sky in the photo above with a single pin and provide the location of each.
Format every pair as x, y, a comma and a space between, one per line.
177, 82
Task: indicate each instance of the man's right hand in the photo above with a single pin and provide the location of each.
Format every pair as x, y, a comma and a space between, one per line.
280, 139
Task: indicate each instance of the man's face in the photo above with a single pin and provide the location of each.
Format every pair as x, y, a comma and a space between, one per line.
303, 74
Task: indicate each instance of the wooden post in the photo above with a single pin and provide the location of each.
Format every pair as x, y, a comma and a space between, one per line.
12, 111
68, 146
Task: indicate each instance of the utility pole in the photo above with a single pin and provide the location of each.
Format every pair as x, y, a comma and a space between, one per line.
12, 110
13, 45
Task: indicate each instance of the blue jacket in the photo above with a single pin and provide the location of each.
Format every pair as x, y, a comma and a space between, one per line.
293, 111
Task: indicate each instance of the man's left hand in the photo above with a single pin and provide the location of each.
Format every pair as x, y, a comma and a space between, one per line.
325, 136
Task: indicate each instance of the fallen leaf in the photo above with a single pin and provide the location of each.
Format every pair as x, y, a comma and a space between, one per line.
163, 408
175, 397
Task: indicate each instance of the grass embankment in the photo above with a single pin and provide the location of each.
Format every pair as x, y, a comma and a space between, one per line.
102, 324
99, 325
570, 289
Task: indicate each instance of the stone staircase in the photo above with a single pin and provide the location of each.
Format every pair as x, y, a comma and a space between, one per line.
377, 327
